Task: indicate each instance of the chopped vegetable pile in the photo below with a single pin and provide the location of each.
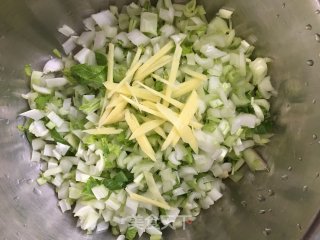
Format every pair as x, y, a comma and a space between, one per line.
147, 112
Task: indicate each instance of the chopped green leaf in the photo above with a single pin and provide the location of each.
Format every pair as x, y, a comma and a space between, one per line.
25, 126
90, 106
101, 59
245, 109
119, 72
119, 181
265, 127
193, 184
131, 233
93, 76
42, 100
105, 174
133, 23
87, 190
115, 231
77, 124
107, 147
122, 140
158, 86
186, 48
68, 75
210, 126
110, 163
21, 128
28, 70
114, 149
57, 53
57, 137
235, 43
189, 158
89, 139
171, 165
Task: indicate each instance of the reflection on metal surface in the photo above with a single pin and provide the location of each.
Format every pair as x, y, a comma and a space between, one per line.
266, 205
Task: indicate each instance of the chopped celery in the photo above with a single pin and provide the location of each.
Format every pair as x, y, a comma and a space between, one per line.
149, 23
155, 109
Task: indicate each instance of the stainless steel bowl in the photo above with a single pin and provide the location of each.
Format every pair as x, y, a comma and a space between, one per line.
281, 204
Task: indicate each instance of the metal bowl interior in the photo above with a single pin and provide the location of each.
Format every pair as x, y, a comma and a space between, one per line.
288, 194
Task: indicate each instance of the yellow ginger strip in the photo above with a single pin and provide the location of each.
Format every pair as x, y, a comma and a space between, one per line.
143, 199
150, 105
158, 130
136, 57
159, 64
110, 59
163, 51
189, 110
153, 188
173, 71
103, 131
194, 74
116, 114
146, 127
127, 78
131, 92
186, 87
186, 133
187, 114
142, 107
138, 92
142, 140
133, 68
181, 123
175, 140
113, 102
172, 101
146, 109
194, 124
160, 79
